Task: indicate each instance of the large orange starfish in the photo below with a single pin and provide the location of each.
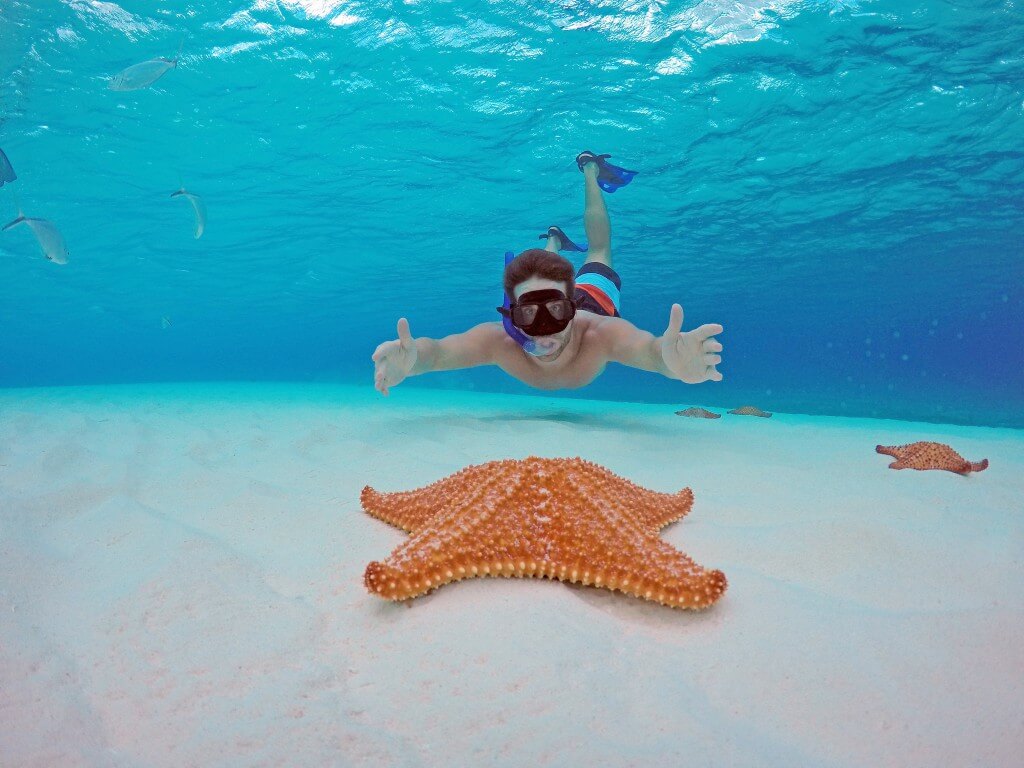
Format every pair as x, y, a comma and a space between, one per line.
565, 519
925, 455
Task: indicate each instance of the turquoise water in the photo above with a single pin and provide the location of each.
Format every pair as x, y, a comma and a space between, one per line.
839, 184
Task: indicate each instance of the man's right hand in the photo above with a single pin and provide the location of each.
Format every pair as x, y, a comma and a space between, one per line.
393, 360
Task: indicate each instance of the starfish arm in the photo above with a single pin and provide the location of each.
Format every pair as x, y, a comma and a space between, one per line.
665, 575
670, 508
402, 510
606, 549
655, 510
471, 531
434, 557
977, 466
411, 510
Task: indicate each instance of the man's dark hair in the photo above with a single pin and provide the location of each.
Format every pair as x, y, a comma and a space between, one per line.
536, 262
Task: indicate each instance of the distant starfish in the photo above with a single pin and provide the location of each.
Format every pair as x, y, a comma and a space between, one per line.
749, 410
925, 455
565, 519
699, 413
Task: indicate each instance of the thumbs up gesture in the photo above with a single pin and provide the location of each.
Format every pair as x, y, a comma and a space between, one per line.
693, 355
393, 360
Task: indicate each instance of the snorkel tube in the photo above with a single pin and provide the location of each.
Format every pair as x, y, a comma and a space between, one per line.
529, 345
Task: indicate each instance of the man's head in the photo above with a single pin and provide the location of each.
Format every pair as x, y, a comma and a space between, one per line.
540, 286
538, 263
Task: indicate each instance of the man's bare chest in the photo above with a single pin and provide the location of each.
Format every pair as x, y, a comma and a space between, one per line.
582, 369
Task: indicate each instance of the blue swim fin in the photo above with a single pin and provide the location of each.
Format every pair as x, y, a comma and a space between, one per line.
567, 244
609, 177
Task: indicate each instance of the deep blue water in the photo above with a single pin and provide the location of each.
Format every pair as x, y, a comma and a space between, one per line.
839, 184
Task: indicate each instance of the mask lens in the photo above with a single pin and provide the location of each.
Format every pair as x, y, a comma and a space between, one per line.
525, 314
559, 309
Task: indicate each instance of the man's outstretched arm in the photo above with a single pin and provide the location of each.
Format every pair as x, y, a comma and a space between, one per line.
690, 356
460, 350
405, 356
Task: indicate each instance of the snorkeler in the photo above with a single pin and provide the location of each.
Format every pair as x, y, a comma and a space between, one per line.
560, 329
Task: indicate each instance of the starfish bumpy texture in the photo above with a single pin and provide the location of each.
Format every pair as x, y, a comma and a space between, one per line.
565, 519
926, 455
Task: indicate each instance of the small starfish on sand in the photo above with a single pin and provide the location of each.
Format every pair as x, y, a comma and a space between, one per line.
925, 455
749, 410
565, 519
699, 413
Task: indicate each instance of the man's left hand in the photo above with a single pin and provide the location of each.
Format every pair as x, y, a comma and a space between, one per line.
693, 355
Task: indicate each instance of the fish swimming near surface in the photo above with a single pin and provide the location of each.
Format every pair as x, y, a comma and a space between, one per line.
197, 206
6, 171
47, 235
143, 74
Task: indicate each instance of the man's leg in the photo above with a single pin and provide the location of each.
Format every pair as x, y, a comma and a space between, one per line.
595, 219
598, 286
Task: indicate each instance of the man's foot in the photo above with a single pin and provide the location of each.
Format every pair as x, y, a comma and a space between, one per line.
583, 159
562, 240
609, 177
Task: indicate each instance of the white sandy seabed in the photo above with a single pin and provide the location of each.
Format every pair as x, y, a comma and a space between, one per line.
181, 585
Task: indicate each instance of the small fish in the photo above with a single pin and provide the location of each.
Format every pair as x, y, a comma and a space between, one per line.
6, 171
197, 206
144, 74
165, 322
47, 235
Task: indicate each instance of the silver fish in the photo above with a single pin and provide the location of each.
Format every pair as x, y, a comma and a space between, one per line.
141, 75
145, 73
197, 206
47, 235
6, 171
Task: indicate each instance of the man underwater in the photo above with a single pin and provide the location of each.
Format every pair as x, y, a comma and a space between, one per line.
560, 329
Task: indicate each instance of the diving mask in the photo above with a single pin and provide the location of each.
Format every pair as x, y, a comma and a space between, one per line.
541, 313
